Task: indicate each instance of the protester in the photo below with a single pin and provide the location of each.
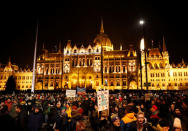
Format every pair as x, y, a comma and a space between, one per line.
141, 123
35, 119
115, 123
21, 119
177, 124
127, 120
6, 121
55, 111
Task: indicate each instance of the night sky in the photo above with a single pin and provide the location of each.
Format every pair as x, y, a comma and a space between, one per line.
80, 22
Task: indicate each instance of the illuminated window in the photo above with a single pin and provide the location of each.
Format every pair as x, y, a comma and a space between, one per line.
97, 83
118, 83
89, 50
106, 83
111, 83
46, 84
47, 71
23, 77
87, 62
123, 68
90, 62
105, 69
124, 82
51, 84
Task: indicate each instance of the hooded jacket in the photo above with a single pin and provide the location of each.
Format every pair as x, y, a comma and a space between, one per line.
126, 121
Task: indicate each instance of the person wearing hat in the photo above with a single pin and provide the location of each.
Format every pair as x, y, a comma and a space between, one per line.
163, 125
154, 118
115, 122
177, 124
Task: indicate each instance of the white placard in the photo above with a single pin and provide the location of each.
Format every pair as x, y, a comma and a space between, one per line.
70, 93
103, 100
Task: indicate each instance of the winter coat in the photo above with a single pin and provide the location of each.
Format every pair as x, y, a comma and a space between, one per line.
103, 125
61, 122
35, 121
21, 121
126, 121
146, 127
7, 122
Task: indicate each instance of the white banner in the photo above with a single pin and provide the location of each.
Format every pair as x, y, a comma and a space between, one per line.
103, 100
70, 93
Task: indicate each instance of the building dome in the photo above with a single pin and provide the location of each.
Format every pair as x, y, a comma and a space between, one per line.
103, 39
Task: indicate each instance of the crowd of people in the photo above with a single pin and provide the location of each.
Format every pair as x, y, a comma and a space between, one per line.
130, 111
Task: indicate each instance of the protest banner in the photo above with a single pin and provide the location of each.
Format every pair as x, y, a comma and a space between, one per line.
103, 100
81, 91
70, 93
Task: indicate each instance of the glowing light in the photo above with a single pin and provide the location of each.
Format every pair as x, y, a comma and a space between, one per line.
141, 22
142, 44
171, 72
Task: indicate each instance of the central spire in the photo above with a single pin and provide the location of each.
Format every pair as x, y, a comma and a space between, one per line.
102, 28
164, 45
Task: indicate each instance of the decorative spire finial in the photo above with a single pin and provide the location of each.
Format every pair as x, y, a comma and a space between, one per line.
102, 28
164, 45
59, 47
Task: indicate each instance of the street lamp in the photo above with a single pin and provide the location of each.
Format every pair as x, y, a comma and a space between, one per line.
141, 22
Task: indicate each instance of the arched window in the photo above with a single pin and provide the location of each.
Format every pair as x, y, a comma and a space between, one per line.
124, 82
105, 69
123, 68
161, 65
118, 83
90, 62
47, 71
97, 50
89, 50
87, 62
110, 70
156, 66
75, 51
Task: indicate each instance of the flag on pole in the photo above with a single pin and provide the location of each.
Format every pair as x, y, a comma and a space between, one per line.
34, 61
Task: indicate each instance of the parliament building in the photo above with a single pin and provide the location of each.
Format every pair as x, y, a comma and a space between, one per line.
98, 66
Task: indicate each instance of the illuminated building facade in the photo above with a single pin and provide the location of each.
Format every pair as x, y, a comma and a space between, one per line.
99, 66
81, 66
23, 78
161, 74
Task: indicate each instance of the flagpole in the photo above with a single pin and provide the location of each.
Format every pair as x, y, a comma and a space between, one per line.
34, 61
